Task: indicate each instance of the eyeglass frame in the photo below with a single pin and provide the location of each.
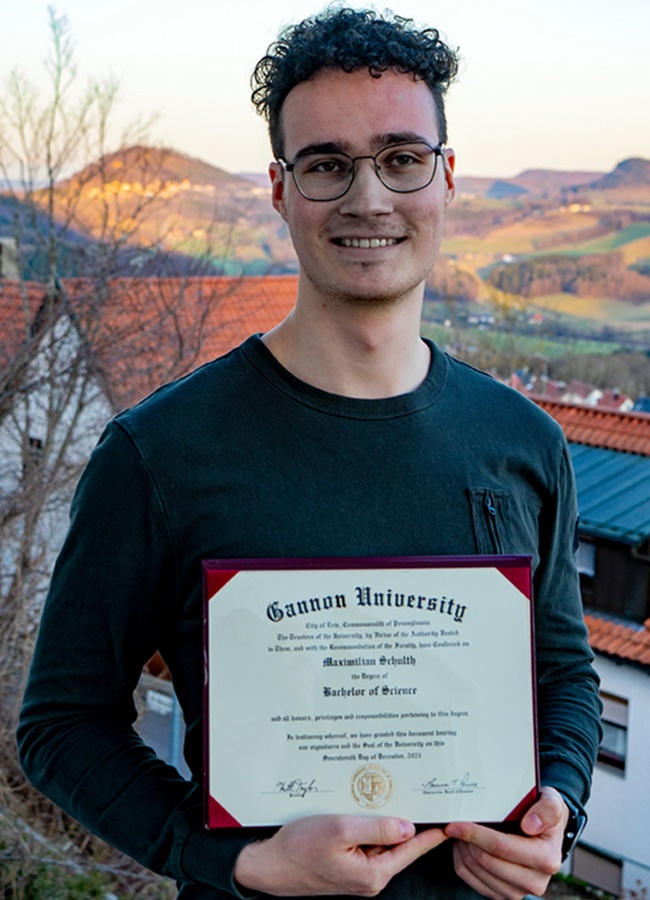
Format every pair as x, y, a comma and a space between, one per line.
438, 151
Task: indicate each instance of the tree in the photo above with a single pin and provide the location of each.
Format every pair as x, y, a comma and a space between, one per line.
43, 141
60, 339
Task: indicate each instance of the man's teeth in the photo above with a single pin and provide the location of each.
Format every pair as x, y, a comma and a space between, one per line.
368, 243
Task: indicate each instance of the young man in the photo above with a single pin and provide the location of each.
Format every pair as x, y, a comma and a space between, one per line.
338, 433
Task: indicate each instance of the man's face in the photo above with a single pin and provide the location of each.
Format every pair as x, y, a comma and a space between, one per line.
372, 245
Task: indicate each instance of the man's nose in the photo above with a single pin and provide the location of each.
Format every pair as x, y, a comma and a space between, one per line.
366, 195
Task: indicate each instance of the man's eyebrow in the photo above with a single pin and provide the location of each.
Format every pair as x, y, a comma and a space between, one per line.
327, 147
398, 137
378, 142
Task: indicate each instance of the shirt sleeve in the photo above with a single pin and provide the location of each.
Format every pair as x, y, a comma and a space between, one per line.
111, 592
567, 684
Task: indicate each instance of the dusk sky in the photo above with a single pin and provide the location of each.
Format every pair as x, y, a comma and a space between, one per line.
562, 84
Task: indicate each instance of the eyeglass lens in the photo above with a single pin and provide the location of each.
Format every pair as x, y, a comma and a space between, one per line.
401, 167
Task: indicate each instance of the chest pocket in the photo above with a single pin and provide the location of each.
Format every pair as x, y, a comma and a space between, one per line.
505, 523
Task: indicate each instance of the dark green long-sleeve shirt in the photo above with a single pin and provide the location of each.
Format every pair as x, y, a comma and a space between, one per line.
240, 459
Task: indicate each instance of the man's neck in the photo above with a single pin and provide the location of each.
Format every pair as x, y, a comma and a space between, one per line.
354, 350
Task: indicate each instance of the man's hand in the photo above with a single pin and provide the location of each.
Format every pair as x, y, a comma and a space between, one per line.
333, 855
507, 865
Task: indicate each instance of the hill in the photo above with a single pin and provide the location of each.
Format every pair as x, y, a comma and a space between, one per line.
182, 207
574, 248
173, 201
633, 172
538, 182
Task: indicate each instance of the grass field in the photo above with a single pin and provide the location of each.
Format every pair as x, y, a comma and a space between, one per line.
636, 251
611, 242
526, 345
524, 240
600, 310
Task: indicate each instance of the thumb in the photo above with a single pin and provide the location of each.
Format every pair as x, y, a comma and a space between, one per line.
382, 831
549, 811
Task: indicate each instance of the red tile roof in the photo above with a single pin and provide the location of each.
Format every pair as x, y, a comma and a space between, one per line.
624, 641
545, 388
18, 309
154, 330
144, 332
579, 388
625, 431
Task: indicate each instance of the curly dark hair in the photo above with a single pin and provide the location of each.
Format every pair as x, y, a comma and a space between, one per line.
350, 39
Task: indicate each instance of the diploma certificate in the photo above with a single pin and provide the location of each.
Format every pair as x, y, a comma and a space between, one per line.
401, 687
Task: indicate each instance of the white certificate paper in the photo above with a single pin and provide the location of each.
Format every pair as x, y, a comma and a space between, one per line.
401, 687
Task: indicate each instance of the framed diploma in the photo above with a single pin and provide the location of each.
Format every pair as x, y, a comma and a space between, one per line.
399, 686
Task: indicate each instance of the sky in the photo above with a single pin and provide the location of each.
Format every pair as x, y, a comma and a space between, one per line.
559, 84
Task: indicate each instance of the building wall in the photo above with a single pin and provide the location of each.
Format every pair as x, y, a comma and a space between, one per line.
619, 808
615, 578
57, 415
8, 259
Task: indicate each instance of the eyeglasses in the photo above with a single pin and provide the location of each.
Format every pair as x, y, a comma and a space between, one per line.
403, 168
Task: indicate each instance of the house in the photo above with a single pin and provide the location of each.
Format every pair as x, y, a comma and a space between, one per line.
9, 264
136, 333
611, 458
71, 356
51, 409
148, 331
577, 392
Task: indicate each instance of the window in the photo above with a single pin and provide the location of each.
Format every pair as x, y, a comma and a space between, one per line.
614, 578
597, 869
32, 457
586, 560
613, 748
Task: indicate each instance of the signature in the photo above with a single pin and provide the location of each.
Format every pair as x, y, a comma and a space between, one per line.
297, 787
455, 784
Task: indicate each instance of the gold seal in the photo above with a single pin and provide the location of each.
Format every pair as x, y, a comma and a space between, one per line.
371, 786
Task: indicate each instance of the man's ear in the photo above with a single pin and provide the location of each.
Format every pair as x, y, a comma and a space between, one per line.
276, 174
450, 183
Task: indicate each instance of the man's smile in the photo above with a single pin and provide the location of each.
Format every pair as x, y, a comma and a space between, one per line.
366, 243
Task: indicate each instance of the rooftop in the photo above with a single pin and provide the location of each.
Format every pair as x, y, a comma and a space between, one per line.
621, 640
613, 493
626, 431
144, 332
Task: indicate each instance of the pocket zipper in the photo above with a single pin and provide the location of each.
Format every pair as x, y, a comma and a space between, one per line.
492, 522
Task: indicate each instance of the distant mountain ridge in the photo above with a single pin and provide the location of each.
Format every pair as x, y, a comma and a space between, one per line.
537, 182
629, 173
633, 172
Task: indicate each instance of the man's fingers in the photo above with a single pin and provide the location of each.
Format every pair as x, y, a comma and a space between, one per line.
501, 865
466, 869
406, 853
384, 862
394, 838
521, 850
495, 843
511, 882
333, 855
